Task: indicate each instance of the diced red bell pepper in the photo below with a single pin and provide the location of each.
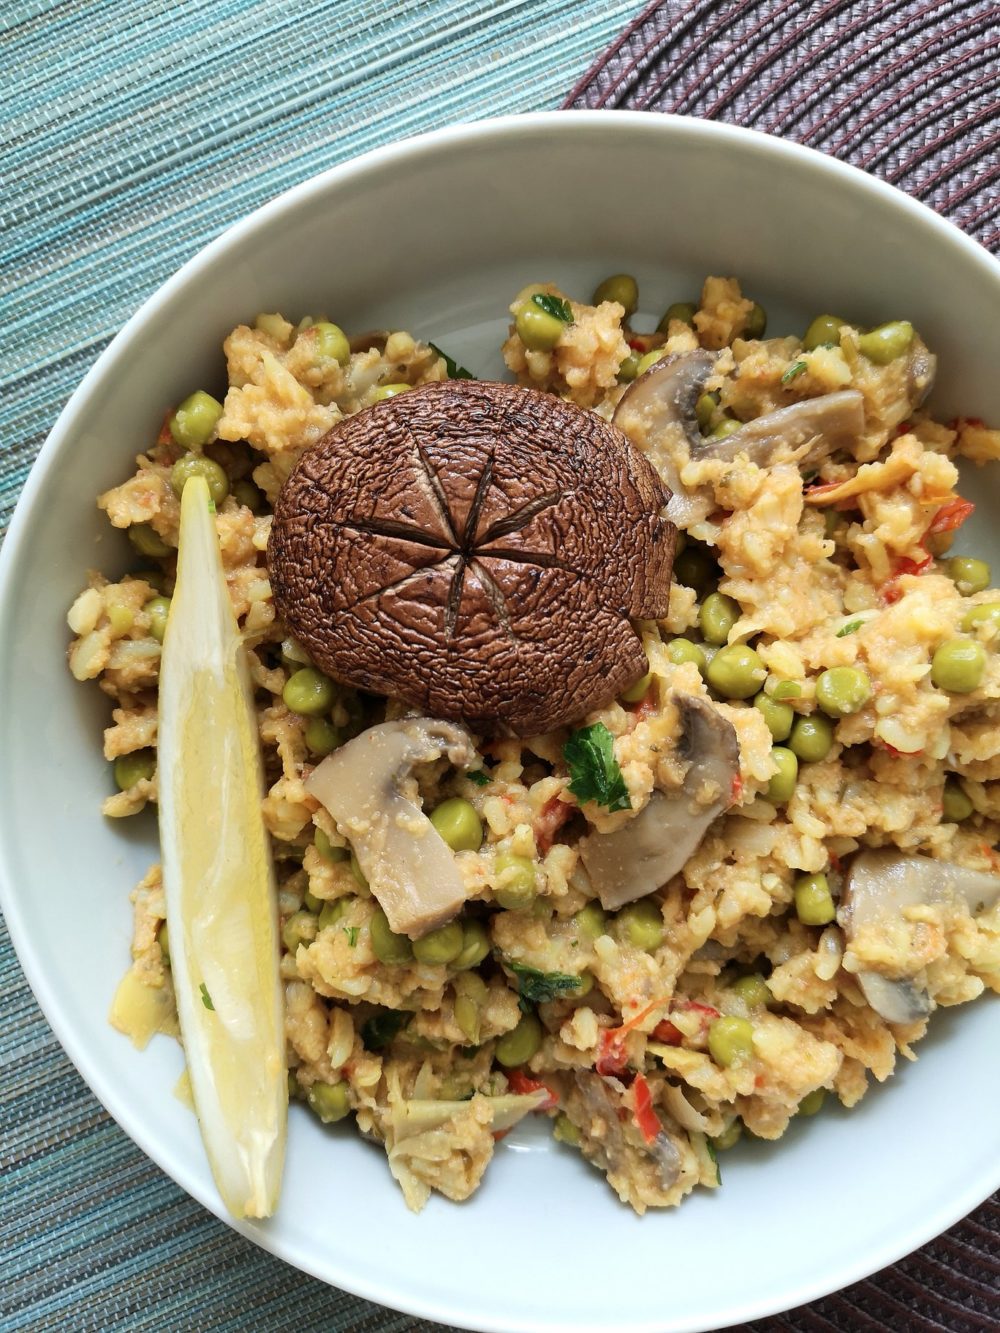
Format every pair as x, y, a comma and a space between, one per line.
642, 1105
520, 1084
950, 516
550, 819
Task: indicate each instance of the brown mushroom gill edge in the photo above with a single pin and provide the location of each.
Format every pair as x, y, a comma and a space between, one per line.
879, 886
647, 851
411, 870
477, 550
657, 413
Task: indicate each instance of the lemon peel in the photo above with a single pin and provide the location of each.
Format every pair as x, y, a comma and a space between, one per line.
218, 876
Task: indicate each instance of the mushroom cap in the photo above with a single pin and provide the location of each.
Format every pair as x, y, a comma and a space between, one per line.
477, 550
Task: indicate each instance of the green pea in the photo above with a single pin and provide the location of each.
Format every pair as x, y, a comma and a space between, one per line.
326, 848
955, 802
730, 1041
726, 427
696, 569
683, 650
331, 342
537, 329
139, 766
812, 1102
564, 1131
782, 785
968, 575
459, 824
639, 690
147, 541
704, 409
385, 391
330, 1101
736, 671
194, 422
753, 990
620, 287
163, 939
468, 1015
683, 311
360, 878
590, 921
330, 913
812, 738
786, 689
823, 330
322, 737
248, 495
814, 905
519, 881
988, 613
475, 945
642, 923
300, 928
729, 1137
629, 368
841, 691
757, 323
308, 692
387, 946
197, 465
157, 608
649, 360
958, 665
517, 1047
778, 716
440, 946
717, 616
887, 342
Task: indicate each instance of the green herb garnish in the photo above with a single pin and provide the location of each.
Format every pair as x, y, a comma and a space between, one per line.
455, 371
352, 934
378, 1031
555, 306
536, 987
594, 772
715, 1159
851, 627
206, 999
479, 776
794, 370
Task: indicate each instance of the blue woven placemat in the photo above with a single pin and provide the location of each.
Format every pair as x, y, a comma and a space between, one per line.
130, 134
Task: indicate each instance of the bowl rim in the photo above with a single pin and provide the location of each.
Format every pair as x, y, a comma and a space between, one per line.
349, 173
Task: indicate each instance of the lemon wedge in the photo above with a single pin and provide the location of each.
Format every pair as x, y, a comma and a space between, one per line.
219, 877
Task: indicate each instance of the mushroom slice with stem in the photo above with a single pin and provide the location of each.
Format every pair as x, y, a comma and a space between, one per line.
657, 413
878, 888
650, 849
595, 1104
411, 869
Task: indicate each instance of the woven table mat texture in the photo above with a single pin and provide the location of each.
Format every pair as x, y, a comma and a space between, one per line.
135, 132
906, 89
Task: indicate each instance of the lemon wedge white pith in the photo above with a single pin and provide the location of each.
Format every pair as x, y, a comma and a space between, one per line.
218, 876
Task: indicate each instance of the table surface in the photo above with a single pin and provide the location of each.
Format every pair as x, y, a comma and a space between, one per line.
134, 133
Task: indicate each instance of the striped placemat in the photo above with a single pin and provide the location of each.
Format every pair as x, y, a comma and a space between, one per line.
909, 90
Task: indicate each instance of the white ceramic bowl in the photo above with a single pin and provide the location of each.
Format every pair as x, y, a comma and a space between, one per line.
435, 235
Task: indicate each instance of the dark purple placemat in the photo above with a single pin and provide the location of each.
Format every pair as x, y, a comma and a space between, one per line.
907, 90
911, 92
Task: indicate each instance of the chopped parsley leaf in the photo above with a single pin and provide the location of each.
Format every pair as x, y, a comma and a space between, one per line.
536, 987
555, 306
851, 627
794, 370
455, 371
352, 934
594, 772
206, 999
378, 1031
479, 776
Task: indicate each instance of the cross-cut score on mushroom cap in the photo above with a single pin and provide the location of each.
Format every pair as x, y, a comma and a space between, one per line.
477, 550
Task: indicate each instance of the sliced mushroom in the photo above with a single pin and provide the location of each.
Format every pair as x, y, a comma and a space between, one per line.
921, 370
657, 413
595, 1110
411, 869
650, 849
878, 888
